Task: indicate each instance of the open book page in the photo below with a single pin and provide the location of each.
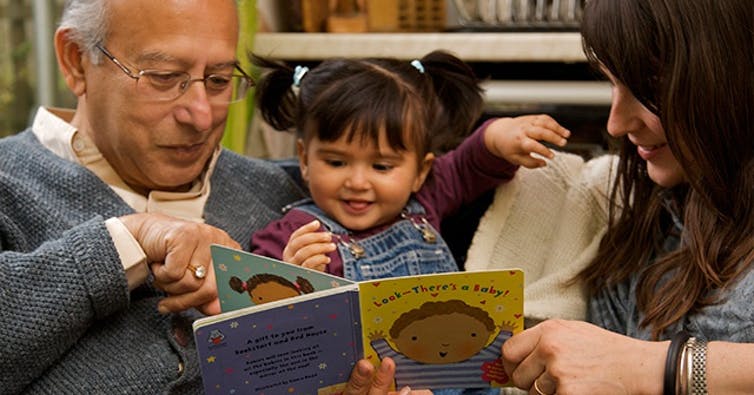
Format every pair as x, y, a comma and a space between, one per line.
245, 279
443, 330
302, 345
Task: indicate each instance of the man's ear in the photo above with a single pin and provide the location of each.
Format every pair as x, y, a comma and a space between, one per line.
424, 167
302, 159
70, 61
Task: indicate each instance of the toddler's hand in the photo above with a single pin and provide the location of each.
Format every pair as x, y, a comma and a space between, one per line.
515, 139
308, 247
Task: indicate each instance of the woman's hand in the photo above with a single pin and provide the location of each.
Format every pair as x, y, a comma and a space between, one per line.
574, 357
308, 247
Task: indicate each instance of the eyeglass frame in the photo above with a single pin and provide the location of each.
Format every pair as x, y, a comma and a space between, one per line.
186, 83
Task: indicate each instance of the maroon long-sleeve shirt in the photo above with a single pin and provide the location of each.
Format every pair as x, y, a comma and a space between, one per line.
457, 178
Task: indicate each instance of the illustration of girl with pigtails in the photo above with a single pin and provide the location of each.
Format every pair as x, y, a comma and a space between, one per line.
265, 288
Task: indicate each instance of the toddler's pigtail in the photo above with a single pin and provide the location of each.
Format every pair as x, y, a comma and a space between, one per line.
459, 96
237, 284
274, 94
304, 285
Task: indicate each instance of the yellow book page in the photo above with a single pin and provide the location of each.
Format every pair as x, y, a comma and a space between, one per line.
443, 330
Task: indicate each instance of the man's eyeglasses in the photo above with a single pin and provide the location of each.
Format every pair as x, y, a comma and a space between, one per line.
167, 85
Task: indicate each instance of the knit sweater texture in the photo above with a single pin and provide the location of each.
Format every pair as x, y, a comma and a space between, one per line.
68, 323
549, 222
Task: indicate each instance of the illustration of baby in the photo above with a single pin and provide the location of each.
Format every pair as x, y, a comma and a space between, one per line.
265, 288
444, 344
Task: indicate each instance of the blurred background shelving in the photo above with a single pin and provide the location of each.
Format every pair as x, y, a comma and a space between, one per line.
518, 50
471, 46
527, 52
522, 72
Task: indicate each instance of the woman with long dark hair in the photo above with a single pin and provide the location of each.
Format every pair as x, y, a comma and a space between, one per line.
671, 287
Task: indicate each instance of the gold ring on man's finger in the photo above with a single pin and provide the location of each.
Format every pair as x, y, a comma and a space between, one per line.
199, 271
536, 388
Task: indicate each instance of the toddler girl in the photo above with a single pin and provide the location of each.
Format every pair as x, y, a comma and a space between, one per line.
367, 131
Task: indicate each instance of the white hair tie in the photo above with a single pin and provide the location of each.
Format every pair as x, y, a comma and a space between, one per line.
298, 74
418, 65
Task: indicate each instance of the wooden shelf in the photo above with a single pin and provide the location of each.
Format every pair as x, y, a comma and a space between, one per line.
472, 47
584, 93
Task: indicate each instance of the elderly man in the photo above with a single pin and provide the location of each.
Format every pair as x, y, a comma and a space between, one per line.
106, 217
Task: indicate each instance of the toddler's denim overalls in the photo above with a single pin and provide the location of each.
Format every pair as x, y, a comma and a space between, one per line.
399, 250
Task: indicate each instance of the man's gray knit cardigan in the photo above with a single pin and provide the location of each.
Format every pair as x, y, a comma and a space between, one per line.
68, 323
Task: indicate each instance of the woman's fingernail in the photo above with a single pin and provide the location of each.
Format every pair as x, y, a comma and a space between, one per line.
405, 390
162, 309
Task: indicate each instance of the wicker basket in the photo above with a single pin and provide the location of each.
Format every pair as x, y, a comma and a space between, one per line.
370, 15
420, 15
406, 15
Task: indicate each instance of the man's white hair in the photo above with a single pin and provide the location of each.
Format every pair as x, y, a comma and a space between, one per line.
87, 24
87, 21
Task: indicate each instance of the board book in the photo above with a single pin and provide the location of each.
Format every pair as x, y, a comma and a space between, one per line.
287, 329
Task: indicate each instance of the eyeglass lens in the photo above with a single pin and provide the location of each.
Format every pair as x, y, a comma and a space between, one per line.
166, 85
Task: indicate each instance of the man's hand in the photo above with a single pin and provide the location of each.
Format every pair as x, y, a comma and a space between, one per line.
171, 245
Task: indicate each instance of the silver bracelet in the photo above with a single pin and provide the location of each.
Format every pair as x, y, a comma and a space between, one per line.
684, 371
698, 351
689, 372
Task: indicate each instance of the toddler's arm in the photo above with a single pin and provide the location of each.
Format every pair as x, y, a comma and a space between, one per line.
515, 139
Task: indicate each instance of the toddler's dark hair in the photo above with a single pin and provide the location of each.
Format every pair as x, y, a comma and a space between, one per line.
429, 110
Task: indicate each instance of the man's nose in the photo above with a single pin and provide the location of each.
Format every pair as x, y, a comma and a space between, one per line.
197, 108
